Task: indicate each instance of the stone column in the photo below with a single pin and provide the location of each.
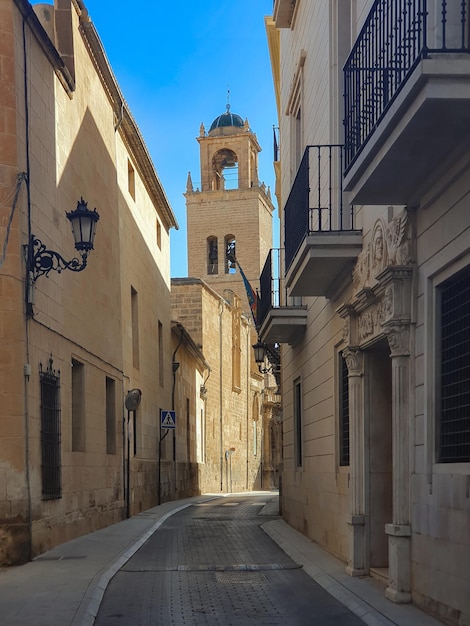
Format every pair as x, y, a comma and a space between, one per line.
399, 531
356, 519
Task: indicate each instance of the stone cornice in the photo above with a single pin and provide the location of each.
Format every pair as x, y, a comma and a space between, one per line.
47, 45
125, 123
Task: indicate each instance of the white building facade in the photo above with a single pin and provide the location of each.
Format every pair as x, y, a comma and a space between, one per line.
374, 321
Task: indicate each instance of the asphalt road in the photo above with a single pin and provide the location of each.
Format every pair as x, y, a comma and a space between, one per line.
212, 564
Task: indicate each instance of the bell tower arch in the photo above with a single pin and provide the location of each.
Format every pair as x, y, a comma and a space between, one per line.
229, 210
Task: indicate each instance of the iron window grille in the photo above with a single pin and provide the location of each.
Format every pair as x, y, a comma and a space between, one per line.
343, 413
51, 466
454, 402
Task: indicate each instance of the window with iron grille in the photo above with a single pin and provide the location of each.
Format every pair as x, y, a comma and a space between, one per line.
50, 433
453, 420
343, 413
298, 423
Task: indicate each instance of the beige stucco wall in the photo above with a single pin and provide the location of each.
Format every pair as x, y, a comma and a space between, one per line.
320, 484
317, 498
441, 506
76, 149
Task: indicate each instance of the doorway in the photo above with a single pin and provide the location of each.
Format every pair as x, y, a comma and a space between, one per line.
379, 446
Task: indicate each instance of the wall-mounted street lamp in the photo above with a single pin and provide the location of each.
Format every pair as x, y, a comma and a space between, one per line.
260, 358
203, 388
41, 260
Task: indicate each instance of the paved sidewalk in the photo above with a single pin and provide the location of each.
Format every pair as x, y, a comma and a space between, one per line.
64, 586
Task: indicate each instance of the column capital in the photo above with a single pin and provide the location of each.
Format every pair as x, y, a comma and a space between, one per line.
398, 335
354, 358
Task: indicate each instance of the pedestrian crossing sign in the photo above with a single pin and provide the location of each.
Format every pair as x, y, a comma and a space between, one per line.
167, 419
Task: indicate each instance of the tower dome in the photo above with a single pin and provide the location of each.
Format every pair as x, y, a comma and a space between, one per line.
226, 121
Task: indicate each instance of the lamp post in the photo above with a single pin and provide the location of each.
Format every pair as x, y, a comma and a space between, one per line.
260, 358
40, 260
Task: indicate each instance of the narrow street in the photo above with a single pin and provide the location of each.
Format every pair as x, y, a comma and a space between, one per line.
213, 564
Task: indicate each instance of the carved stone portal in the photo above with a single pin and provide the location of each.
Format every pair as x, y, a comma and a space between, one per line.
381, 308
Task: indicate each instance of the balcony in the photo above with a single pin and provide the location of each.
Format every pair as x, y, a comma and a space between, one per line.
407, 99
320, 240
280, 319
283, 12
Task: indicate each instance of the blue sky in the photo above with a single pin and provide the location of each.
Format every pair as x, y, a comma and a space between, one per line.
174, 62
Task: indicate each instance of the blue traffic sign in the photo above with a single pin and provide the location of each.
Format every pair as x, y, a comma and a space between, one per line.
167, 419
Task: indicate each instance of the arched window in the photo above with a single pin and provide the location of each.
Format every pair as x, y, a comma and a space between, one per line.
225, 170
230, 254
212, 255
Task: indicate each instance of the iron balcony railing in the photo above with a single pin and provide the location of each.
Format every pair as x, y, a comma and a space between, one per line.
273, 293
397, 34
316, 202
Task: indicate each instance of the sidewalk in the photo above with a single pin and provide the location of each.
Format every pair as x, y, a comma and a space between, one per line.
64, 586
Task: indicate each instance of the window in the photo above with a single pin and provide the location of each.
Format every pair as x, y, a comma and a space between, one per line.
159, 235
255, 438
130, 179
160, 354
135, 327
255, 425
134, 432
296, 119
453, 419
200, 438
343, 412
110, 416
298, 453
188, 432
230, 254
236, 344
212, 256
78, 406
51, 469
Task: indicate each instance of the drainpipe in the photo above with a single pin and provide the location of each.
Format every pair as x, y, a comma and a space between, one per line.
27, 367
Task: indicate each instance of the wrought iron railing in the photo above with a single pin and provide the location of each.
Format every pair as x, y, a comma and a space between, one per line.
316, 202
397, 34
273, 293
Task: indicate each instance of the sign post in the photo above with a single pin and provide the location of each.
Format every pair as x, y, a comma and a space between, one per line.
167, 423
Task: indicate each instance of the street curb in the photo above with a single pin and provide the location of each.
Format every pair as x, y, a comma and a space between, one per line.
98, 585
361, 597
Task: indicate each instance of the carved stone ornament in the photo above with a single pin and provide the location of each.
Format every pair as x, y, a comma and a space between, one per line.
354, 360
391, 244
372, 320
366, 325
398, 336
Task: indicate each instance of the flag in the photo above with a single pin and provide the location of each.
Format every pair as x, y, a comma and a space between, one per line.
250, 293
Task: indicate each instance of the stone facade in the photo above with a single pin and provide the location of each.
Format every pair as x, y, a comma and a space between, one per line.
230, 452
230, 206
74, 344
393, 507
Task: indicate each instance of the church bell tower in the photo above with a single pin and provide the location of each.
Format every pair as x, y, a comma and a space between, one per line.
229, 211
